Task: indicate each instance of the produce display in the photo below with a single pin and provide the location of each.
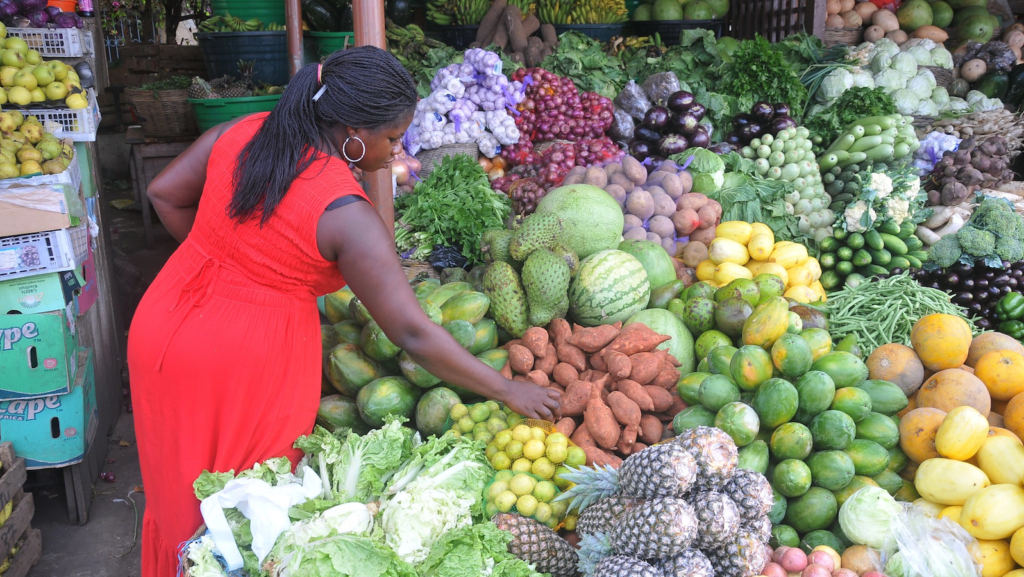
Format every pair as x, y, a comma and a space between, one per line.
27, 79
669, 128
36, 14
27, 149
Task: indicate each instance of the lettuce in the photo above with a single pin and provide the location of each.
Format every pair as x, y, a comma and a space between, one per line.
865, 517
473, 551
881, 62
204, 561
341, 555
413, 520
303, 539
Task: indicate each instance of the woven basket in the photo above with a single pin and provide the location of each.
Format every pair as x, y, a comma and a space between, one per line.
922, 122
844, 36
430, 158
163, 113
943, 76
418, 268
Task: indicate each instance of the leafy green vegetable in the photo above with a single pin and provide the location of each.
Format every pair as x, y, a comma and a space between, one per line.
747, 197
209, 483
346, 555
758, 73
423, 71
204, 563
852, 105
469, 552
452, 207
307, 541
584, 61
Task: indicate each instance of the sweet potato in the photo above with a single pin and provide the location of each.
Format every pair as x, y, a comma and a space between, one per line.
661, 398
650, 429
559, 330
566, 426
593, 339
539, 378
581, 438
547, 362
575, 399
667, 378
600, 421
521, 379
536, 339
601, 380
637, 393
619, 365
506, 371
572, 355
520, 358
625, 447
564, 374
671, 359
645, 366
508, 345
598, 457
625, 410
637, 340
596, 362
678, 404
638, 446
587, 375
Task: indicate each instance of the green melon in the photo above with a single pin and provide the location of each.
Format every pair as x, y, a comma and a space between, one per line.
784, 536
591, 218
667, 10
663, 322
611, 286
657, 262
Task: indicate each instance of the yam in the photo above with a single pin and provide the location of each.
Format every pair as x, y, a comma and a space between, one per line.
600, 421
564, 374
645, 367
490, 23
506, 371
678, 404
530, 25
536, 339
538, 378
548, 34
593, 339
566, 426
626, 442
559, 330
661, 398
626, 412
650, 429
533, 54
587, 375
508, 345
576, 397
636, 392
520, 358
517, 57
570, 354
514, 24
548, 362
500, 37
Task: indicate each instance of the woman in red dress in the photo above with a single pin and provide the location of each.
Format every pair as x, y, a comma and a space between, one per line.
224, 350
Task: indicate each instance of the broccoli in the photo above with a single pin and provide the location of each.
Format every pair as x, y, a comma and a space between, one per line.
996, 216
946, 252
1009, 249
975, 241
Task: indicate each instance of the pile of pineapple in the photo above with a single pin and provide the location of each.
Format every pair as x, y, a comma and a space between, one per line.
26, 78
231, 87
26, 148
680, 508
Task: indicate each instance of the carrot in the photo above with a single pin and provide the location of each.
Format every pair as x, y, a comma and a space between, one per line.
636, 340
650, 429
598, 457
539, 378
667, 378
520, 358
547, 362
593, 339
644, 367
506, 371
661, 398
637, 393
566, 426
581, 438
575, 399
572, 355
678, 404
600, 421
596, 361
564, 374
536, 339
619, 365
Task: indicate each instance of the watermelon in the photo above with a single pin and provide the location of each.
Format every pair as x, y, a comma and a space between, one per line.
663, 322
611, 286
656, 261
592, 219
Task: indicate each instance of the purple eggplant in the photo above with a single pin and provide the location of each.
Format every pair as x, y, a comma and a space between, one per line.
742, 119
646, 134
722, 148
750, 132
781, 123
656, 117
639, 149
762, 112
680, 101
700, 138
781, 109
733, 138
673, 144
655, 163
684, 124
697, 110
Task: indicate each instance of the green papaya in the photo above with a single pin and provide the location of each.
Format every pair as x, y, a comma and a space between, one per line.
350, 369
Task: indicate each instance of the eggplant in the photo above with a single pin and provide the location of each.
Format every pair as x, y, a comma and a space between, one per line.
896, 271
762, 112
639, 149
721, 148
733, 139
989, 274
750, 132
741, 120
655, 164
983, 324
680, 101
967, 284
951, 281
963, 298
673, 144
962, 268
1012, 283
974, 308
994, 292
1001, 280
697, 110
781, 123
1006, 264
980, 284
1016, 273
700, 139
781, 109
656, 117
646, 134
684, 124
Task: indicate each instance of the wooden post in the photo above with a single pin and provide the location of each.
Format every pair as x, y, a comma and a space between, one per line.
368, 18
293, 23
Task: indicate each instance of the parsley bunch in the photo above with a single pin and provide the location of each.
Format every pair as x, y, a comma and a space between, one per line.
851, 106
759, 73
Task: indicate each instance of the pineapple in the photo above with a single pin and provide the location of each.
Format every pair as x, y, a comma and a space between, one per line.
602, 515
689, 563
660, 471
718, 519
654, 529
200, 89
762, 527
624, 566
744, 556
751, 493
715, 453
537, 544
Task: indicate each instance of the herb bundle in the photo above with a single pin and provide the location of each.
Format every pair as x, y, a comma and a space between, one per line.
759, 73
852, 105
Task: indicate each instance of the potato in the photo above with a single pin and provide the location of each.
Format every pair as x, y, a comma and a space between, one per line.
670, 246
654, 179
572, 179
640, 203
653, 238
686, 179
672, 186
662, 226
663, 203
596, 176
633, 170
833, 7
703, 235
694, 253
686, 221
835, 22
897, 36
576, 171
852, 19
631, 220
886, 19
615, 190
692, 200
635, 233
612, 169
873, 33
865, 9
622, 180
972, 70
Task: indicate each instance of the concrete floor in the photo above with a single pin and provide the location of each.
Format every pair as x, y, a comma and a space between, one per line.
108, 545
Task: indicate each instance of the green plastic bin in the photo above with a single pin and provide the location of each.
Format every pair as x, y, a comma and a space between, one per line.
322, 44
268, 49
213, 111
268, 11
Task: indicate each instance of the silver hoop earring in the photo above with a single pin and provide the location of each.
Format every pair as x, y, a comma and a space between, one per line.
345, 154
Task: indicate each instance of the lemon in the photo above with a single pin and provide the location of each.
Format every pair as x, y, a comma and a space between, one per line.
522, 433
559, 481
545, 491
522, 484
557, 439
496, 425
533, 449
500, 461
556, 453
479, 413
506, 501
559, 508
575, 457
493, 406
514, 450
538, 433
505, 476
466, 424
458, 411
491, 450
527, 505
491, 510
522, 465
502, 439
543, 468
483, 436
496, 488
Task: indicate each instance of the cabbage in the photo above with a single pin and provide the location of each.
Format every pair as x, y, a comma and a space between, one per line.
881, 62
834, 85
886, 46
865, 517
862, 78
707, 169
923, 83
895, 566
957, 105
890, 80
926, 108
906, 101
905, 64
980, 103
942, 58
921, 55
917, 42
940, 97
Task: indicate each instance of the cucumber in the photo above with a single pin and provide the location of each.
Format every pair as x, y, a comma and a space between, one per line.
828, 244
913, 243
898, 262
880, 257
921, 255
872, 270
914, 261
855, 241
844, 253
889, 227
844, 268
861, 258
829, 280
827, 260
907, 228
874, 240
893, 244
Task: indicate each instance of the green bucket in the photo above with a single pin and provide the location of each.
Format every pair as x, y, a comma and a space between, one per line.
267, 11
212, 111
322, 44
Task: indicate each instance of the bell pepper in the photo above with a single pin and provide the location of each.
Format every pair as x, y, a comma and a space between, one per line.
1014, 329
1010, 307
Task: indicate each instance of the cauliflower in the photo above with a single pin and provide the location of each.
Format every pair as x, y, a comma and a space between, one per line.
855, 213
881, 184
898, 209
915, 187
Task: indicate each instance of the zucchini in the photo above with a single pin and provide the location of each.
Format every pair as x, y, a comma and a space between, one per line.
861, 258
844, 267
844, 253
913, 260
880, 257
898, 262
874, 240
855, 241
906, 229
913, 243
889, 227
893, 244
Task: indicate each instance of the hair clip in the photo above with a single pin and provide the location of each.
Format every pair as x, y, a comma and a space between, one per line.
319, 93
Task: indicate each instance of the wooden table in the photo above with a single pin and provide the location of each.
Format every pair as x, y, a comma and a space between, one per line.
148, 157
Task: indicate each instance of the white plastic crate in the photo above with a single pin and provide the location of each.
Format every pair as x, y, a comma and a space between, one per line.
43, 252
51, 42
71, 177
77, 124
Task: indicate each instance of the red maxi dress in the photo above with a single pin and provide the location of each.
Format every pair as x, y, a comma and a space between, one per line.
224, 350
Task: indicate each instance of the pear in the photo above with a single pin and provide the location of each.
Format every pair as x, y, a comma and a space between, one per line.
29, 153
53, 167
9, 170
32, 131
50, 148
30, 167
8, 145
17, 137
32, 120
19, 118
7, 123
8, 156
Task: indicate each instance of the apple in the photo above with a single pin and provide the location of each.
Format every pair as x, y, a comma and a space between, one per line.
38, 95
3, 30
26, 79
33, 57
20, 95
17, 44
71, 84
3, 96
77, 100
73, 74
55, 91
7, 76
11, 57
60, 70
43, 75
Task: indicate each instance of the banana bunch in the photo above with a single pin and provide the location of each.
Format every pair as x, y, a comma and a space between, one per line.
274, 27
230, 23
408, 44
599, 12
441, 12
526, 7
469, 12
555, 11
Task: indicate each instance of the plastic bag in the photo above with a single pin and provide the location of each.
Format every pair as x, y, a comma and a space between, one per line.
930, 547
932, 148
633, 100
447, 257
622, 125
660, 86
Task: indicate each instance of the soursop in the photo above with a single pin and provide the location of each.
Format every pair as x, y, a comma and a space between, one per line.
540, 230
508, 299
494, 244
546, 279
456, 274
570, 257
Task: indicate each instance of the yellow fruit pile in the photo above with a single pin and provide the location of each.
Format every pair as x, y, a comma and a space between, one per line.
744, 250
26, 78
26, 148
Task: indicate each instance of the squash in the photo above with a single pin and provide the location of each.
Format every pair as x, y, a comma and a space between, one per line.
917, 433
959, 88
952, 388
973, 70
994, 512
994, 431
951, 513
941, 341
897, 364
1014, 38
999, 406
1002, 459
1002, 372
949, 482
991, 341
994, 557
852, 19
847, 5
933, 33
961, 433
996, 420
835, 22
1017, 546
1013, 416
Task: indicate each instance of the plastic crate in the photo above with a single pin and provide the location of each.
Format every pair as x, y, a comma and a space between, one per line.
671, 30
43, 252
599, 32
212, 111
77, 124
223, 50
71, 177
52, 42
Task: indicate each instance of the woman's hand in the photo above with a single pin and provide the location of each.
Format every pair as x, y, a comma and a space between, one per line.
532, 401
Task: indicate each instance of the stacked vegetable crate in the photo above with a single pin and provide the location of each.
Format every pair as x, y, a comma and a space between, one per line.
776, 19
16, 531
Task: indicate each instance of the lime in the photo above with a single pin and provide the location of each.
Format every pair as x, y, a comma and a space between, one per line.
493, 406
458, 411
496, 425
479, 428
466, 424
533, 449
499, 415
505, 501
491, 450
483, 437
556, 439
479, 413
502, 439
521, 433
505, 476
456, 432
522, 465
501, 461
542, 512
538, 433
552, 523
526, 505
574, 457
559, 508
543, 468
557, 453
496, 488
522, 484
514, 449
559, 481
514, 419
545, 491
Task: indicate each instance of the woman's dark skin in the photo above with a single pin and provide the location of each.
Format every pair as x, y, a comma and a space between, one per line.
356, 238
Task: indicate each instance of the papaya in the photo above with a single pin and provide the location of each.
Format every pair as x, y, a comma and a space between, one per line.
880, 429
869, 458
853, 401
691, 418
376, 343
886, 398
889, 481
441, 295
432, 410
832, 430
426, 287
350, 369
688, 387
347, 331
494, 358
767, 323
463, 331
486, 337
750, 366
846, 369
820, 538
357, 311
718, 391
791, 441
898, 460
720, 360
387, 396
792, 355
415, 373
832, 470
815, 509
816, 390
432, 311
340, 412
778, 510
819, 340
754, 457
776, 402
336, 305
470, 306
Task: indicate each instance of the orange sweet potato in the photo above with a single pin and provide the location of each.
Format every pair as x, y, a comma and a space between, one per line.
520, 358
521, 379
600, 421
539, 378
508, 346
666, 379
637, 393
601, 380
506, 371
596, 362
625, 410
587, 375
581, 438
593, 339
536, 339
575, 399
661, 398
637, 447
650, 429
566, 426
559, 330
678, 404
564, 374
672, 360
644, 367
547, 362
636, 340
598, 457
619, 365
625, 447
572, 355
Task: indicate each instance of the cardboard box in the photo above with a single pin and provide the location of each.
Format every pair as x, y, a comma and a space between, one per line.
42, 293
57, 430
90, 290
37, 354
28, 209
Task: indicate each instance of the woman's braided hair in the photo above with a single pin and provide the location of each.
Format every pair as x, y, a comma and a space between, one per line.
365, 87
